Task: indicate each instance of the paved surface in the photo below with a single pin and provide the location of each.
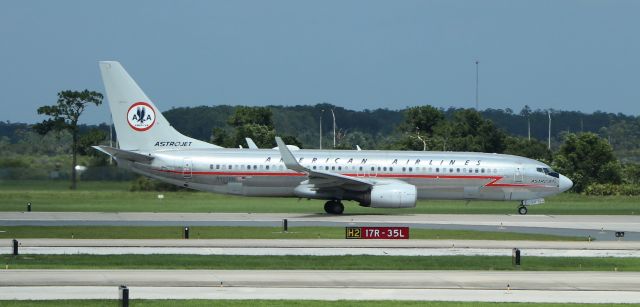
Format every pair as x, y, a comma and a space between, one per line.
601, 227
315, 247
329, 243
329, 294
387, 279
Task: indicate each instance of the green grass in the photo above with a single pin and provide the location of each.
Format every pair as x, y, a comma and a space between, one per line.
115, 197
206, 232
273, 303
224, 262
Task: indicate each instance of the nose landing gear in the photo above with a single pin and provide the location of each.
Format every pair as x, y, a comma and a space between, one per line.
334, 207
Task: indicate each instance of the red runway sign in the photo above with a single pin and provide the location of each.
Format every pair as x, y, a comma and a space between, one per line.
397, 233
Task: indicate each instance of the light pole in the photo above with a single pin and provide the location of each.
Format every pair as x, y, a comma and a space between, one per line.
477, 81
549, 138
321, 112
334, 128
529, 126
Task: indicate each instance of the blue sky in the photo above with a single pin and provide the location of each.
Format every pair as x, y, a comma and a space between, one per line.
570, 55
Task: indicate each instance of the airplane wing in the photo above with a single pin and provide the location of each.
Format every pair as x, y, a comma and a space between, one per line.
124, 154
251, 143
319, 178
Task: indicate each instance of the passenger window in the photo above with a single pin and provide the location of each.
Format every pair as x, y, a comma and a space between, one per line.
482, 170
384, 168
229, 166
437, 169
457, 170
451, 170
360, 167
476, 170
411, 169
217, 166
255, 166
267, 166
391, 169
339, 168
404, 169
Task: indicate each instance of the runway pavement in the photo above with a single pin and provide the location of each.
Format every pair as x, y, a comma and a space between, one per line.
326, 294
386, 279
491, 286
323, 247
600, 227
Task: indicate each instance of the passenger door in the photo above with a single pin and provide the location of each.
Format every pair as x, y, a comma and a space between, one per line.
519, 174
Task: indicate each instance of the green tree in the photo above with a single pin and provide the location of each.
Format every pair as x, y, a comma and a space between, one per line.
262, 135
64, 115
422, 119
251, 115
470, 132
523, 147
586, 159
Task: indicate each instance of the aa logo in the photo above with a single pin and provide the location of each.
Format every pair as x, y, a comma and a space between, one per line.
141, 116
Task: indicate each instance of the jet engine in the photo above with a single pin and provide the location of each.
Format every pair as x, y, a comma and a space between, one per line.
392, 195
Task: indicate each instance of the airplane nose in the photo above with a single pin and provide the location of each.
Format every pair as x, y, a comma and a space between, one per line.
565, 183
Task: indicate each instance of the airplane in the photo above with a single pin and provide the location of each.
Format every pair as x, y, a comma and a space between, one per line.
150, 146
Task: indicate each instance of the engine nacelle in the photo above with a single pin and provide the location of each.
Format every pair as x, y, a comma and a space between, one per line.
393, 195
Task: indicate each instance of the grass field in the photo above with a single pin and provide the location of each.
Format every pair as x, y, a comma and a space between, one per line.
203, 232
115, 197
223, 262
274, 303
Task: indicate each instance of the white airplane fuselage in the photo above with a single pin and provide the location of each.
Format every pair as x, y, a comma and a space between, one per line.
436, 175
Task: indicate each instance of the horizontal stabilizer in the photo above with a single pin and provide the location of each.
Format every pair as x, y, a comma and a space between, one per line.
125, 154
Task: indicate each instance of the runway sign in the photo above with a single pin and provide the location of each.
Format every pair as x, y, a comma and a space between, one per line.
396, 233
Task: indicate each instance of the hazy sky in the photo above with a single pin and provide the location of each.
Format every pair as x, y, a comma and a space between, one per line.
573, 55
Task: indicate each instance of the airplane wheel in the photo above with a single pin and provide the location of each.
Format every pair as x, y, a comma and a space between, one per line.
333, 207
522, 210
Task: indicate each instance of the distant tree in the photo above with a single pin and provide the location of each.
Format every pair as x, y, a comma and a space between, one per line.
533, 149
220, 137
631, 173
90, 138
586, 158
470, 132
262, 135
291, 140
64, 115
422, 119
526, 111
251, 115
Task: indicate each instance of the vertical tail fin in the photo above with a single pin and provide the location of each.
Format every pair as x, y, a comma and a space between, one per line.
139, 124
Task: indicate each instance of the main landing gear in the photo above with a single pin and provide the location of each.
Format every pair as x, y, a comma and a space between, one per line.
334, 207
522, 210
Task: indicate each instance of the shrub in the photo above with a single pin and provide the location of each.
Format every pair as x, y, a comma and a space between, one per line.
608, 189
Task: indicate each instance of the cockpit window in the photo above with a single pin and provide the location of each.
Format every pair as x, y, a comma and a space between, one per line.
548, 171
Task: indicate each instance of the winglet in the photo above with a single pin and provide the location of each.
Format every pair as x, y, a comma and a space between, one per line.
358, 147
288, 158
